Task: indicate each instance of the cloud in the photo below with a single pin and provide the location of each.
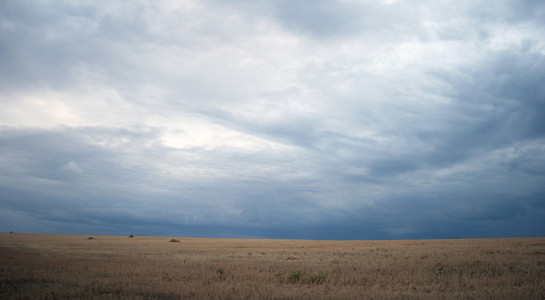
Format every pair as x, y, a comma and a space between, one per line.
73, 167
321, 19
326, 120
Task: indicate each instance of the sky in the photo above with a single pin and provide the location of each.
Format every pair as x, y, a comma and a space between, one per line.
332, 119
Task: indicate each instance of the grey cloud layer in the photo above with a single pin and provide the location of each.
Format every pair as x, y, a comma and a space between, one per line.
327, 120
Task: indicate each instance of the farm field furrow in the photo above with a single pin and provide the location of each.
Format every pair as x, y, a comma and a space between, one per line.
39, 266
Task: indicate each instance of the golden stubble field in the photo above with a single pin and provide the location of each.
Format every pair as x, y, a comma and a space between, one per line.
37, 266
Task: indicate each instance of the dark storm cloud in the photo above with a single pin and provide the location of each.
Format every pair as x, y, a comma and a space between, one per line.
496, 103
38, 183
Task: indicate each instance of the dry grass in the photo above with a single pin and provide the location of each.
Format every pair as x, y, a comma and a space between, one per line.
70, 266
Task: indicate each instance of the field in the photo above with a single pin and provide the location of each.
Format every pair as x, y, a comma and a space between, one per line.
35, 266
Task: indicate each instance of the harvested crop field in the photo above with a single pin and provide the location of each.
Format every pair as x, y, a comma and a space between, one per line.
37, 266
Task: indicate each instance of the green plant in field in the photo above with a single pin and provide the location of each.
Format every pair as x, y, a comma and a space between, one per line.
220, 271
294, 277
317, 279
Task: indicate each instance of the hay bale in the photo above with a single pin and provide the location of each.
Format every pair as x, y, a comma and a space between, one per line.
174, 241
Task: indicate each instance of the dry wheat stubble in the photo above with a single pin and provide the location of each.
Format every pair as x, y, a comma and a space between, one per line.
64, 266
